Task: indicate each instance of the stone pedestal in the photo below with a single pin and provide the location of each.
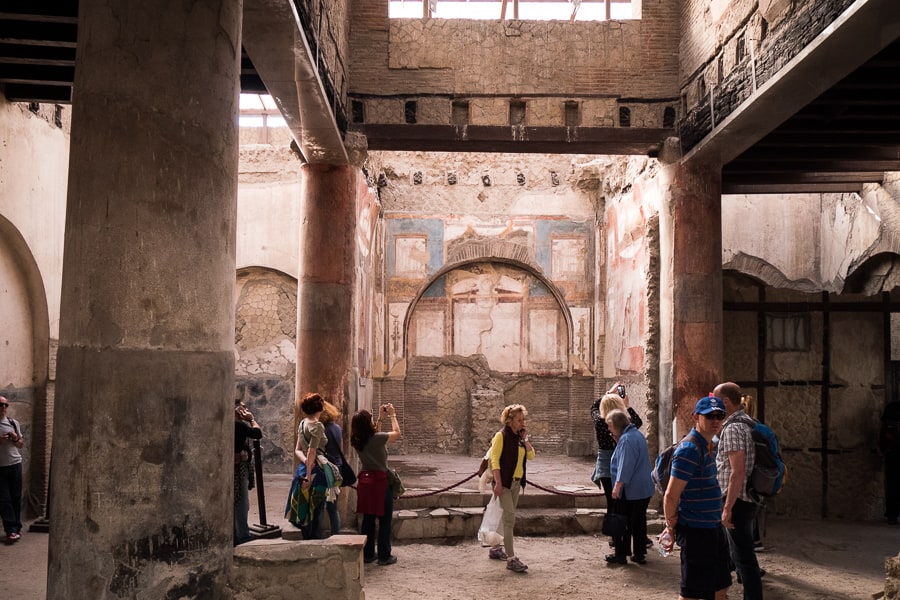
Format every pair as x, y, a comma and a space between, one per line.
330, 569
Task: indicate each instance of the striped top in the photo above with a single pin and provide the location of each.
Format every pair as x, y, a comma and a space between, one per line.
700, 504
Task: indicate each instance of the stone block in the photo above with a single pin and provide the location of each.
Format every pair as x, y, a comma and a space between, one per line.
330, 569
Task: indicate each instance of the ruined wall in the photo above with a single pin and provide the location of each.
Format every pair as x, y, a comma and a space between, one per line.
848, 245
602, 66
629, 298
845, 481
840, 233
488, 289
728, 49
266, 291
34, 156
266, 357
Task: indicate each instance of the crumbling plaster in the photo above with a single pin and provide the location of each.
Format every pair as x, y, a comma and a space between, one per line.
808, 242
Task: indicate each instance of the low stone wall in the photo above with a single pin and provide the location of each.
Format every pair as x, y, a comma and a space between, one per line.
892, 579
330, 569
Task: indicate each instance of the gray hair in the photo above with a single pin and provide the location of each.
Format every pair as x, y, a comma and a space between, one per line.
617, 420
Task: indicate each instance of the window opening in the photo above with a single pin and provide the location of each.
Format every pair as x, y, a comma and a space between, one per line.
259, 110
528, 10
787, 332
516, 112
460, 113
572, 119
410, 111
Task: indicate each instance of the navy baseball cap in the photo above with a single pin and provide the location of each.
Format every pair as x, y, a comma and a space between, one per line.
709, 404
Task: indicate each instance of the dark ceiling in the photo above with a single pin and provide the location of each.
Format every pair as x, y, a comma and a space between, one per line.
847, 136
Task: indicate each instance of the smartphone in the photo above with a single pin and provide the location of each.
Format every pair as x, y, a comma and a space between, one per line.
620, 389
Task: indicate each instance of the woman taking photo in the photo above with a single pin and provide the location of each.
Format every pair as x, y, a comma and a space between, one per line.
611, 400
510, 449
374, 498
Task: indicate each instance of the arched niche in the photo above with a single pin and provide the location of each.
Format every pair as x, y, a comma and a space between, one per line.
502, 308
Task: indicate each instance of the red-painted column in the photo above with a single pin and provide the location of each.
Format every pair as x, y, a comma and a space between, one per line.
691, 298
325, 312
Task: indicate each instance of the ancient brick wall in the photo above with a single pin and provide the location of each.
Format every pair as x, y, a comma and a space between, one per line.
452, 405
326, 25
729, 49
600, 65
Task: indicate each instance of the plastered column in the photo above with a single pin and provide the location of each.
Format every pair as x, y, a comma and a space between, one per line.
691, 291
142, 451
325, 312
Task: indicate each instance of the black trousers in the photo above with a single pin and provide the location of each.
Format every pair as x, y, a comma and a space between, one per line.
635, 539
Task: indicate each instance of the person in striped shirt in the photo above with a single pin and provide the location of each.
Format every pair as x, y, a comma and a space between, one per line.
693, 507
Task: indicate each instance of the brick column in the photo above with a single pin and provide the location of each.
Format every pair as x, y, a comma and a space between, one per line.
325, 310
691, 290
143, 436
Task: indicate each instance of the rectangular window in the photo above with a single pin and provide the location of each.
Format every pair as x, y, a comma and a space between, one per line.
787, 332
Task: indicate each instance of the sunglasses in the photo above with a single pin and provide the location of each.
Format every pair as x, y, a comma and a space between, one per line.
715, 416
4, 405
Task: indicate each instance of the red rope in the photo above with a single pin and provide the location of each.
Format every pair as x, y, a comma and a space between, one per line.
557, 492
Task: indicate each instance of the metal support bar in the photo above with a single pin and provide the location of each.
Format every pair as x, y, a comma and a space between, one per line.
262, 529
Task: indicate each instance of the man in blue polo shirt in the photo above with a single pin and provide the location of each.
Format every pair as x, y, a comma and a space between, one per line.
693, 507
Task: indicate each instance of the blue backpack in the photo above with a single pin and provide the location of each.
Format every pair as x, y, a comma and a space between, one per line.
769, 471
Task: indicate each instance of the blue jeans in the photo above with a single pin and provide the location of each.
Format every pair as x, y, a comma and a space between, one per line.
384, 530
11, 498
740, 540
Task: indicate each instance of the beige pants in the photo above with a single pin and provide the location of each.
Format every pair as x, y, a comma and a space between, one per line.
509, 499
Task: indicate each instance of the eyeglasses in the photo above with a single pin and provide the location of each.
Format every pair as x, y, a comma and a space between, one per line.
4, 405
715, 416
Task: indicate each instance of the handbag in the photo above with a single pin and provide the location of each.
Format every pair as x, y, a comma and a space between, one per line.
347, 474
397, 488
614, 525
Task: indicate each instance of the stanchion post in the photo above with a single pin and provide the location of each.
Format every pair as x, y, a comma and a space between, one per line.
261, 529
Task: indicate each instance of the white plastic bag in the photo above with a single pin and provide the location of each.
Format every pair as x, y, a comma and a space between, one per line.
491, 531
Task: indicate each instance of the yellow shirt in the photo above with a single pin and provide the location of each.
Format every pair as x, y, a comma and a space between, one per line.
497, 449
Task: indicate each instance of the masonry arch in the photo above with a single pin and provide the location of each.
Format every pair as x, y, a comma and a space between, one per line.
25, 354
266, 356
487, 283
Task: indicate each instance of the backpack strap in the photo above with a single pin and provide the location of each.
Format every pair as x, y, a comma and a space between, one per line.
700, 444
15, 426
745, 419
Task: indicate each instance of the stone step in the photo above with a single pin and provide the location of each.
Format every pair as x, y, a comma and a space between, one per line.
453, 523
415, 499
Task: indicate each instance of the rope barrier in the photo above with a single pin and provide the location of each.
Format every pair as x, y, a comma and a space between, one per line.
540, 487
432, 493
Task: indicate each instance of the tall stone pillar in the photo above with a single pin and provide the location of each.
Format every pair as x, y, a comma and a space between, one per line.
143, 436
325, 309
691, 291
